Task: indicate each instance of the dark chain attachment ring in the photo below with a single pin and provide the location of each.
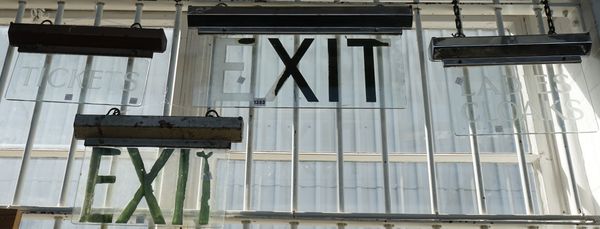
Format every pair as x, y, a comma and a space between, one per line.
548, 11
457, 20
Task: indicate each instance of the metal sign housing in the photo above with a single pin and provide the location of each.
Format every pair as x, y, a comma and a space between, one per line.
510, 50
158, 131
87, 40
300, 20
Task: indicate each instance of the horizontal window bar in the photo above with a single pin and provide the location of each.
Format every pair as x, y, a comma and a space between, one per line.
270, 217
498, 157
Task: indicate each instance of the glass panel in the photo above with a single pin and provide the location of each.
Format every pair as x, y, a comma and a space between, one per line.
323, 71
363, 187
526, 99
504, 100
317, 132
456, 188
409, 188
503, 189
234, 184
317, 186
112, 187
362, 131
79, 79
9, 168
42, 183
271, 185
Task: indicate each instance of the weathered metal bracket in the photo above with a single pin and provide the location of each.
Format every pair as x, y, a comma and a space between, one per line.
300, 20
158, 131
510, 50
87, 40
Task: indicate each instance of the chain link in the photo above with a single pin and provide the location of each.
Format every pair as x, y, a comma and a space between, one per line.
548, 11
457, 20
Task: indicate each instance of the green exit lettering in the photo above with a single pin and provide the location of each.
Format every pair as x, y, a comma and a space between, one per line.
145, 188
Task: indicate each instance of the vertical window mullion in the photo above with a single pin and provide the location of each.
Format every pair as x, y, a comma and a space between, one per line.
295, 145
474, 146
383, 124
250, 135
430, 147
37, 109
340, 138
555, 97
519, 139
80, 108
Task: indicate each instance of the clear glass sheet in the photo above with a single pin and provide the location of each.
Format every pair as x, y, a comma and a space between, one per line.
9, 168
363, 187
317, 186
271, 185
503, 188
511, 99
520, 99
504, 192
79, 79
456, 188
320, 71
124, 201
409, 188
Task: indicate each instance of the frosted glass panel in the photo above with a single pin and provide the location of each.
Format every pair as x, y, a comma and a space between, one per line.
520, 99
63, 78
348, 72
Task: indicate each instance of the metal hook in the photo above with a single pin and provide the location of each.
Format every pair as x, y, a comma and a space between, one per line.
114, 111
208, 113
136, 25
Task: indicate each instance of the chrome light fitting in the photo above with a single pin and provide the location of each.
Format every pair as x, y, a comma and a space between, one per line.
222, 19
158, 131
87, 40
552, 48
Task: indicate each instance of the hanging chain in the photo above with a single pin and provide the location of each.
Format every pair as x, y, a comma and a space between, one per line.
457, 20
548, 11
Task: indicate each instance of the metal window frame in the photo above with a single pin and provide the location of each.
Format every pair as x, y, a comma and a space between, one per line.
438, 158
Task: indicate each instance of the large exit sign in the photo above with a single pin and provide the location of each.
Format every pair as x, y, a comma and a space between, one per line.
321, 71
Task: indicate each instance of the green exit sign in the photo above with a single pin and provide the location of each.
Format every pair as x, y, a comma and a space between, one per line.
143, 189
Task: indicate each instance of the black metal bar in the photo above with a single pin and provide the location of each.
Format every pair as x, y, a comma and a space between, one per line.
509, 50
300, 20
87, 40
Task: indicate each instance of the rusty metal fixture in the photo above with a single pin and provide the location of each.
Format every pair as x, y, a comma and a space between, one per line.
158, 131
